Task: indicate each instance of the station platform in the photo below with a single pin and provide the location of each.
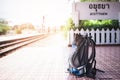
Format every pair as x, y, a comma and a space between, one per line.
47, 59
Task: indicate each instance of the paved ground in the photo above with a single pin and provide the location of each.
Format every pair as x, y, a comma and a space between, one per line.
47, 59
108, 59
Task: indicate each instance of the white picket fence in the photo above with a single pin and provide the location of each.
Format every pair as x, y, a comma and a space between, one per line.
101, 37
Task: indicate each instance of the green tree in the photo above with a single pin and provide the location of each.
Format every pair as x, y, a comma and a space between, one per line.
4, 28
70, 24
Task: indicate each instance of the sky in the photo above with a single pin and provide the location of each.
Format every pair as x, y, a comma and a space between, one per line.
56, 12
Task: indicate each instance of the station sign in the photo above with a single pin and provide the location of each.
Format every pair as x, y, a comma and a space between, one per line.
97, 10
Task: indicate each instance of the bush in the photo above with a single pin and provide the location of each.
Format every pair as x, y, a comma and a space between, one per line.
69, 25
98, 24
18, 31
4, 28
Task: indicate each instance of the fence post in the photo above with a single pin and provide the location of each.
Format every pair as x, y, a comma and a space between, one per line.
103, 36
93, 34
82, 32
112, 36
87, 32
70, 37
118, 36
107, 36
77, 31
97, 36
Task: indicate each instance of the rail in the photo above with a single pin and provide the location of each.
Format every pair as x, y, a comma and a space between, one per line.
12, 44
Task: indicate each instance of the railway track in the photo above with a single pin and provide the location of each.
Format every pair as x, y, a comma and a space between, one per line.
12, 44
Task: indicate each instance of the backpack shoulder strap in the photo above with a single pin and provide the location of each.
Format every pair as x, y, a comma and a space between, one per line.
91, 65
